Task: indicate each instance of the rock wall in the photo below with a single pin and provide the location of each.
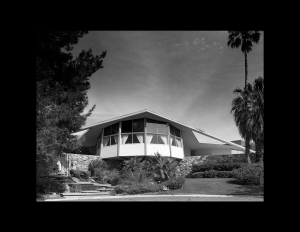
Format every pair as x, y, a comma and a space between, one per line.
185, 166
80, 162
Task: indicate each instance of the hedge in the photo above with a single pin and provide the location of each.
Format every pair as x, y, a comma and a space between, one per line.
212, 174
251, 174
216, 166
176, 183
137, 188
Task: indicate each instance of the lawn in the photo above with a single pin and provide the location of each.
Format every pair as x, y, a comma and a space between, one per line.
215, 186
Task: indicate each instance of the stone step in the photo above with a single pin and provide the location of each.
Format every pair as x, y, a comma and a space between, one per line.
102, 185
105, 189
84, 193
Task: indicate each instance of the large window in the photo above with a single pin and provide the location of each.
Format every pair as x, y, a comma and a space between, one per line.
110, 135
132, 131
157, 132
175, 136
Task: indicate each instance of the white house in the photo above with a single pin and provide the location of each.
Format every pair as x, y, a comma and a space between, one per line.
145, 133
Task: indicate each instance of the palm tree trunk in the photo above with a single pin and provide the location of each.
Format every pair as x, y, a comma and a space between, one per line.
246, 69
259, 147
247, 141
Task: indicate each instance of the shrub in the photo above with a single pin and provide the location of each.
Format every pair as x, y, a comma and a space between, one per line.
216, 166
137, 188
106, 176
175, 183
80, 174
251, 174
212, 174
46, 186
96, 164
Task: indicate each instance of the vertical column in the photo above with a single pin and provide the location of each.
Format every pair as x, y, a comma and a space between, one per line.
119, 139
169, 132
145, 137
182, 143
101, 142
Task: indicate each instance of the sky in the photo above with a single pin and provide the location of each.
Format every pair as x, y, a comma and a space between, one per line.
188, 76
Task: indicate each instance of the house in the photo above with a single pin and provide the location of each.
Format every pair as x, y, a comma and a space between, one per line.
144, 133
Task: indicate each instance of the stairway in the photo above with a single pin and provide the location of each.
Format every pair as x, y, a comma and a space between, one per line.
88, 189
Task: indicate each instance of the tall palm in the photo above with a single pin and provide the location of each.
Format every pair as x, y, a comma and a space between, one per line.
255, 122
245, 39
240, 110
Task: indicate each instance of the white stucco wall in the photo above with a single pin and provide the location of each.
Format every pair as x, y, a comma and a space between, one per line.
109, 151
237, 152
187, 152
136, 149
203, 152
221, 151
177, 152
163, 150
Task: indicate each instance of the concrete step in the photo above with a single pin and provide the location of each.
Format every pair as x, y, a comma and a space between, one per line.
84, 193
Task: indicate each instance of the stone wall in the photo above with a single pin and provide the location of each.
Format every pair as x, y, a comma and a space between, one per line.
185, 166
81, 162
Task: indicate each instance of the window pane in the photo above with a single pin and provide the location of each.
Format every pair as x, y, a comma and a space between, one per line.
173, 142
138, 125
138, 138
177, 132
106, 141
154, 139
162, 127
107, 131
115, 128
178, 141
113, 139
162, 139
127, 126
149, 138
129, 139
151, 125
124, 138
172, 129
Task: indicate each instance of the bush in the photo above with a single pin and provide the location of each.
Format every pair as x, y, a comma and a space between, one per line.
175, 183
216, 166
251, 174
46, 186
80, 174
212, 174
106, 176
96, 164
137, 188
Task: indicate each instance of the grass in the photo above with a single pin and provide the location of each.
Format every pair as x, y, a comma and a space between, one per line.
215, 186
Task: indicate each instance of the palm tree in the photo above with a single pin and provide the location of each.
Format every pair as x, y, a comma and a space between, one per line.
240, 108
161, 168
255, 122
245, 40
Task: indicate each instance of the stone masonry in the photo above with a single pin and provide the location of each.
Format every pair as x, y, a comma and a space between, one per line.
81, 162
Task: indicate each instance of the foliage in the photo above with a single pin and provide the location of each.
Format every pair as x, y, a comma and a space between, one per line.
137, 188
46, 186
245, 40
212, 174
61, 94
80, 174
161, 168
251, 174
215, 166
96, 164
255, 122
174, 183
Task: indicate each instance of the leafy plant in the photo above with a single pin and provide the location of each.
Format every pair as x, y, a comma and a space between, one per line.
96, 164
174, 183
251, 174
137, 188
